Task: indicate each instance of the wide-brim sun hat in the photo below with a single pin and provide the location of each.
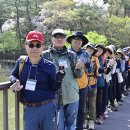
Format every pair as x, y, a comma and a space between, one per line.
101, 46
119, 51
77, 34
109, 48
125, 49
89, 45
113, 47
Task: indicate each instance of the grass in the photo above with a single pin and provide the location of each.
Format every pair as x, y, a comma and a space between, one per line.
11, 108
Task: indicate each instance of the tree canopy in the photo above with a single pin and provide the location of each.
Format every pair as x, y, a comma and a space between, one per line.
109, 26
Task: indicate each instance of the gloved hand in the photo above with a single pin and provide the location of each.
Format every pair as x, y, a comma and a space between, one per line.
60, 74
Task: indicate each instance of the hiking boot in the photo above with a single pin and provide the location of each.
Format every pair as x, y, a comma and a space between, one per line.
113, 108
128, 90
98, 121
119, 103
125, 93
104, 116
85, 125
91, 125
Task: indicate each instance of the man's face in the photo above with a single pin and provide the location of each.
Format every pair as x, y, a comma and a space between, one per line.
76, 43
34, 49
58, 40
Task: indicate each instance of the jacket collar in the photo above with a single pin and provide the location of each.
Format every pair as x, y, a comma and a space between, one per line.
62, 51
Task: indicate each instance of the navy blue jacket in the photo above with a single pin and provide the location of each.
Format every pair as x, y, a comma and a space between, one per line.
44, 73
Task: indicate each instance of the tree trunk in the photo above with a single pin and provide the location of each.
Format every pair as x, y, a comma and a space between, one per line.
105, 1
17, 24
28, 16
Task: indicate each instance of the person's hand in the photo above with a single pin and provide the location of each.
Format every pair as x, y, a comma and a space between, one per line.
79, 65
60, 74
16, 86
105, 70
12, 79
112, 62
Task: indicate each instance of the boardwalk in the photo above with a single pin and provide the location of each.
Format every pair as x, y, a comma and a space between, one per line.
119, 120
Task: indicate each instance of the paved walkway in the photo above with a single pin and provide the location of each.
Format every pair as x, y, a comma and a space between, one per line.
119, 120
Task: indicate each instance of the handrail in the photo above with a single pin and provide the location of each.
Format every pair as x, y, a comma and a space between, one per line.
4, 86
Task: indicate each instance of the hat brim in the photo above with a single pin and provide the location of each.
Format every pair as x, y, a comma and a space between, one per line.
119, 52
95, 51
35, 40
89, 45
104, 49
85, 40
58, 33
111, 52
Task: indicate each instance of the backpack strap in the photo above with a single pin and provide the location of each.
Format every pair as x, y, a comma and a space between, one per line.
47, 55
21, 63
71, 58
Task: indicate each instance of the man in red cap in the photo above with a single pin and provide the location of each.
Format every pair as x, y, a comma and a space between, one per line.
38, 83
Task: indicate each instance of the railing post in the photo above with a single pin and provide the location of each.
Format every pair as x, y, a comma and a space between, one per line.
17, 124
5, 108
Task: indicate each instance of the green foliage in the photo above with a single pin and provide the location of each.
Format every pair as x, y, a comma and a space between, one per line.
118, 31
98, 24
59, 5
93, 37
8, 42
62, 14
96, 38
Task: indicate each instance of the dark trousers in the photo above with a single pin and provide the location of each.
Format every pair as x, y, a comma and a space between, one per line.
110, 94
114, 81
128, 79
105, 97
118, 90
125, 82
99, 101
81, 109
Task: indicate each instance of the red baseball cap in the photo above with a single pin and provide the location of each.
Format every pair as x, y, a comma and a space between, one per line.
35, 36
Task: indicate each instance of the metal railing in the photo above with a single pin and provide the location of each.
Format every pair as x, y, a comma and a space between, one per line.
4, 86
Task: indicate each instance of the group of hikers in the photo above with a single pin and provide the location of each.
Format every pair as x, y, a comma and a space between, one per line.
69, 89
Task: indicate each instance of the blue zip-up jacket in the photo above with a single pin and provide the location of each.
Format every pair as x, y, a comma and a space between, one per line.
100, 79
45, 75
85, 59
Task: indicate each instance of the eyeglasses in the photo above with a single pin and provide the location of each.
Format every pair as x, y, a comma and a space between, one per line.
38, 45
57, 36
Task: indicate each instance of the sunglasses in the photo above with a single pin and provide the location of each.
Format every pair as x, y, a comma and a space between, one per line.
38, 45
57, 36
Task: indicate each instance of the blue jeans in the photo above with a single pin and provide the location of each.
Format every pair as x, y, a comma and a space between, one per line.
68, 116
81, 109
40, 118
